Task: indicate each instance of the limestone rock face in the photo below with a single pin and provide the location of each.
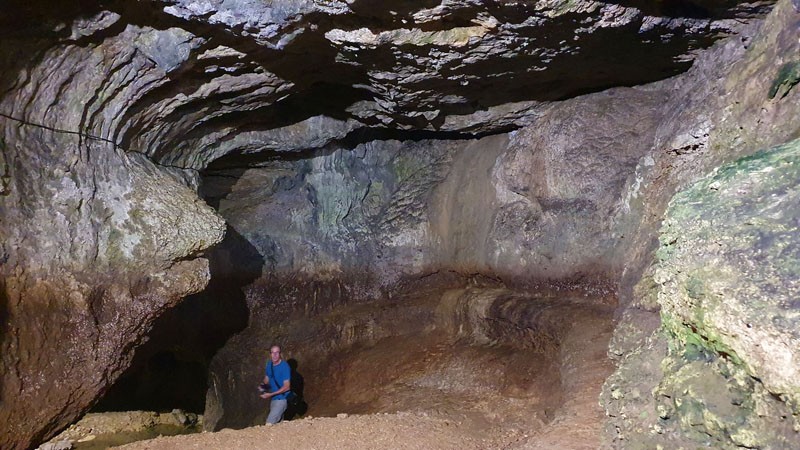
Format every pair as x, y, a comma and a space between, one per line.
186, 82
344, 228
728, 280
455, 65
565, 195
494, 205
707, 126
540, 204
723, 368
96, 243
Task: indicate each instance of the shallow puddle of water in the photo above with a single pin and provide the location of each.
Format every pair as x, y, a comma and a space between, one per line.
104, 441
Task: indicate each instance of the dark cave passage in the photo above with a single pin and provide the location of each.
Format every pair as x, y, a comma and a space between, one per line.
171, 369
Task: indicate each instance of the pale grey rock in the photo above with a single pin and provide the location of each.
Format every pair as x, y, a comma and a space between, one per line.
264, 22
317, 132
168, 48
60, 445
88, 26
98, 244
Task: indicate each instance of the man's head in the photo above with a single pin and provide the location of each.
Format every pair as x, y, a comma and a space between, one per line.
275, 354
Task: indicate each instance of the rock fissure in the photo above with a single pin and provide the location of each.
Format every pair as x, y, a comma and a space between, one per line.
56, 130
89, 136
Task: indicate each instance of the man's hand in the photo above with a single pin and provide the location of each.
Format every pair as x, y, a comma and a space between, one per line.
266, 395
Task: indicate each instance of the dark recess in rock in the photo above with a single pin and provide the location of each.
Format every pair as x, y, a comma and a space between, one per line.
170, 370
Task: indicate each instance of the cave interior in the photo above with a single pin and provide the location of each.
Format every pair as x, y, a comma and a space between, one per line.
586, 208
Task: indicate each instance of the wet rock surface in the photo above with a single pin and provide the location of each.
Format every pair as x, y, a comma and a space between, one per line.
726, 296
721, 368
103, 430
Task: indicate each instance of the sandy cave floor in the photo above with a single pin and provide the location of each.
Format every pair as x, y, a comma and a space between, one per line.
432, 392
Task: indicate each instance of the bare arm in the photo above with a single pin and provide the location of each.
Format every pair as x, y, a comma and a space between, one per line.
264, 386
286, 386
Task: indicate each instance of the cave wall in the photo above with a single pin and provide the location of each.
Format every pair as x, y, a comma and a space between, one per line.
536, 203
96, 245
736, 100
640, 146
97, 241
536, 207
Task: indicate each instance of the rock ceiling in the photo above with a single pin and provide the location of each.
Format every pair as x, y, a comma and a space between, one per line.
188, 81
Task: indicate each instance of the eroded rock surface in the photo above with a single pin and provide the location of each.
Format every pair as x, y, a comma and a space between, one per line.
96, 245
728, 296
498, 204
710, 130
438, 348
186, 82
346, 227
725, 281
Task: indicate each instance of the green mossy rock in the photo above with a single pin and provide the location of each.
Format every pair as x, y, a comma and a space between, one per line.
729, 281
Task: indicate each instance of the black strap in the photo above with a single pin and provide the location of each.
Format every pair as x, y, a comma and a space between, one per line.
273, 380
272, 377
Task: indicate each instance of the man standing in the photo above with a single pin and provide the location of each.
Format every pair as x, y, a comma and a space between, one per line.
276, 379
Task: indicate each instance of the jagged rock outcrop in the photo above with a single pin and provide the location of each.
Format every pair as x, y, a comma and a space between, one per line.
726, 107
725, 280
96, 245
97, 241
187, 82
728, 298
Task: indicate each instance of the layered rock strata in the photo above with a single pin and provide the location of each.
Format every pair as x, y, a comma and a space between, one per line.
343, 354
96, 244
97, 240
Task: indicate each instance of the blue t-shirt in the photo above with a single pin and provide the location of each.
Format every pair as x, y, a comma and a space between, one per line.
277, 376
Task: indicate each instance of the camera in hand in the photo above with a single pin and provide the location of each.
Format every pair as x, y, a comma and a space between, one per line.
263, 388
